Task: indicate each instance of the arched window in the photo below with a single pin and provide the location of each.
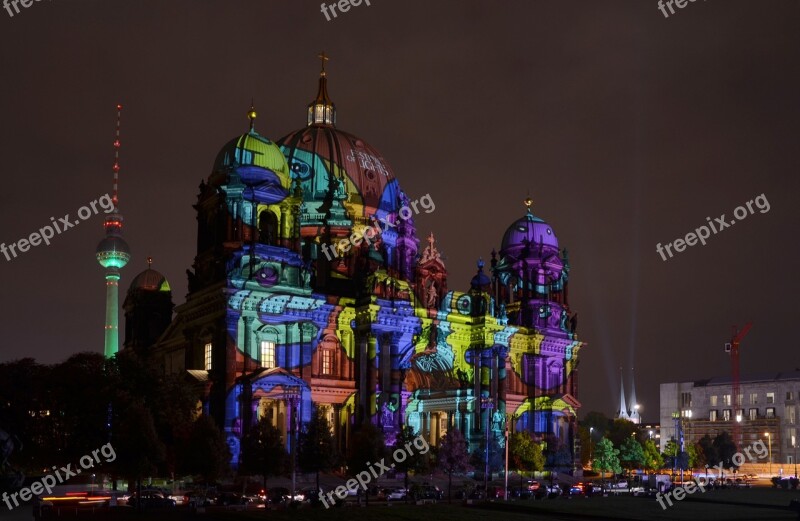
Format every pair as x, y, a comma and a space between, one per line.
268, 228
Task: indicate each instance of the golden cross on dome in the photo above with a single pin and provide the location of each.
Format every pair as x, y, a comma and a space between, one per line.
528, 202
149, 262
323, 57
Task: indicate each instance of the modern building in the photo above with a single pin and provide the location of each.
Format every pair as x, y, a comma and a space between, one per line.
310, 288
769, 411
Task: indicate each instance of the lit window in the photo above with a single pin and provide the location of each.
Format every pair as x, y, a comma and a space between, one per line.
770, 412
713, 401
726, 415
790, 415
267, 354
753, 414
208, 351
753, 399
327, 361
726, 399
712, 415
770, 397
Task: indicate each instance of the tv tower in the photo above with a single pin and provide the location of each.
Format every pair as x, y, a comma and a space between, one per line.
113, 254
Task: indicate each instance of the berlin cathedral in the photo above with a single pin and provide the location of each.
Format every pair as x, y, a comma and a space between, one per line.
274, 326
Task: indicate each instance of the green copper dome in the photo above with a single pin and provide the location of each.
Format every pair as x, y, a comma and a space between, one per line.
253, 149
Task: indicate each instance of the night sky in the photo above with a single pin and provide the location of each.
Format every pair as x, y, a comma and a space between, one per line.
627, 128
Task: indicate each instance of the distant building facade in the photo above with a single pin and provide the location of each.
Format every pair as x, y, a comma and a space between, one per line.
769, 404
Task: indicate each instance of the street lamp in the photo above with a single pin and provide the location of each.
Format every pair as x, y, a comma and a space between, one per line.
488, 404
293, 397
506, 468
591, 445
769, 437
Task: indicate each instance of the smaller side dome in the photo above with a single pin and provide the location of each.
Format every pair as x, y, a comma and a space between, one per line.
150, 280
254, 150
529, 230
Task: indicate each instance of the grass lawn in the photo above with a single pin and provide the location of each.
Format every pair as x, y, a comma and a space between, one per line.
709, 506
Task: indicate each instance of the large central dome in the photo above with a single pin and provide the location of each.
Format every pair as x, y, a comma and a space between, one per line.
330, 163
317, 152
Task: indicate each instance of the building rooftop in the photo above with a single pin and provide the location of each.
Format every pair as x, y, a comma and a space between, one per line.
751, 378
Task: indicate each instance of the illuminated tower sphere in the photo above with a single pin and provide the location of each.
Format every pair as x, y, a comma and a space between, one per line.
113, 254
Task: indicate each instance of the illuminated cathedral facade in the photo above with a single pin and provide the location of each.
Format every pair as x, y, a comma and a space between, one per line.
273, 327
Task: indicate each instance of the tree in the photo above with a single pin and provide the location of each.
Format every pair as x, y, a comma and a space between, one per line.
366, 447
452, 457
139, 451
316, 447
415, 462
670, 454
205, 453
496, 455
525, 453
725, 447
631, 454
263, 451
707, 452
597, 420
585, 438
620, 431
606, 457
652, 459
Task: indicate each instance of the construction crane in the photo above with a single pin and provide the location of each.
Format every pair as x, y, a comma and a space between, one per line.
732, 348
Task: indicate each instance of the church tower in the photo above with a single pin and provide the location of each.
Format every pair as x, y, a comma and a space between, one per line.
113, 254
148, 308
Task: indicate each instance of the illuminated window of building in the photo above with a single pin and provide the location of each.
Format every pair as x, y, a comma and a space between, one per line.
712, 415
726, 399
267, 354
790, 415
770, 412
753, 398
686, 400
770, 397
713, 401
753, 414
726, 415
207, 355
327, 361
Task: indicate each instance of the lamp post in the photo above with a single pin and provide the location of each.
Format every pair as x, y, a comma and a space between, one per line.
293, 398
506, 467
488, 404
591, 444
769, 438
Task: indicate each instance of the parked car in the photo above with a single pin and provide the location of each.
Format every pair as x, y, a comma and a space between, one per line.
396, 494
427, 492
520, 492
577, 489
230, 498
151, 499
278, 495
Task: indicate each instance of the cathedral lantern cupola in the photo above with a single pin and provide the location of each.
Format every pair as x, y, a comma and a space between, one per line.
322, 111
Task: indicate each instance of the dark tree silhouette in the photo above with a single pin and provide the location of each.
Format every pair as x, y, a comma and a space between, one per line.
205, 452
452, 457
366, 447
263, 451
316, 448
